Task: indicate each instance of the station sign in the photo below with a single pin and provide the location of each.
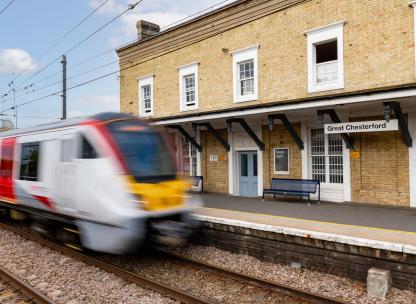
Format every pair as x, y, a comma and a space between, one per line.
362, 126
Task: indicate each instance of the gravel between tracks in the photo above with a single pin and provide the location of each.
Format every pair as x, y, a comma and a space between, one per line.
312, 281
211, 287
66, 280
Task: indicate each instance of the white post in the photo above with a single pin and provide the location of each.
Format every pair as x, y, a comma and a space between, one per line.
260, 165
304, 152
198, 155
412, 159
347, 173
230, 164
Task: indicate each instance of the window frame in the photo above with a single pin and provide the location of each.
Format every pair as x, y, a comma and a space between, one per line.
288, 161
190, 90
143, 82
193, 158
241, 56
84, 139
327, 154
26, 177
186, 71
319, 36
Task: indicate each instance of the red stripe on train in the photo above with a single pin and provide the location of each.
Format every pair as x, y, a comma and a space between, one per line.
6, 168
114, 149
44, 200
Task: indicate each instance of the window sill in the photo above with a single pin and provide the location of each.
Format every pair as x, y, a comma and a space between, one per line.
252, 97
145, 115
281, 173
188, 109
325, 87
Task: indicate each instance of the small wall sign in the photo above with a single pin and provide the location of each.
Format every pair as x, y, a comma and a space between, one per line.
213, 158
362, 126
355, 154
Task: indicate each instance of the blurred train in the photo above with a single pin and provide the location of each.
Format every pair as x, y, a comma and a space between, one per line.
108, 181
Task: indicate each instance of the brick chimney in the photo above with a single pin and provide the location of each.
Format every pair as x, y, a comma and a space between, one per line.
146, 29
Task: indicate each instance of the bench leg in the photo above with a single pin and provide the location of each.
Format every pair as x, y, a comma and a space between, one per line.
274, 196
319, 194
263, 197
309, 199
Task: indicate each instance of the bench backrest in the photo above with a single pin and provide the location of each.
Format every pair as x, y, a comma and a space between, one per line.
302, 185
197, 180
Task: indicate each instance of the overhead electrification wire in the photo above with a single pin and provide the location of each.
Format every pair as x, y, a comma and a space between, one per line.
30, 116
75, 65
105, 75
113, 49
7, 6
194, 14
57, 82
76, 86
62, 38
129, 8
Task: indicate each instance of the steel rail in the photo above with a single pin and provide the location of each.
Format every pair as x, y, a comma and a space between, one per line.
255, 281
119, 272
172, 292
32, 294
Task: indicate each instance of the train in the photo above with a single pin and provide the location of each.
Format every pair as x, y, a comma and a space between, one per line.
106, 183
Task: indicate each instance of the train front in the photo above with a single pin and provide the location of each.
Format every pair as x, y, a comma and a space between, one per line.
159, 206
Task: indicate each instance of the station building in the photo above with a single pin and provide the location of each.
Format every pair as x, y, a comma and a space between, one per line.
303, 89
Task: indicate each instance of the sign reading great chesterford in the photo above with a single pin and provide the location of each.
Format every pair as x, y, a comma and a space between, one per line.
362, 126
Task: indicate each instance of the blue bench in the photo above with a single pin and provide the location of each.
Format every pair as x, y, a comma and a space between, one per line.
295, 187
197, 184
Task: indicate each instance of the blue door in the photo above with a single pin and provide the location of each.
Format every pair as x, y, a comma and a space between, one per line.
248, 173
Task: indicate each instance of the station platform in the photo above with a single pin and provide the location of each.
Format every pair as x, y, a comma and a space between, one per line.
387, 228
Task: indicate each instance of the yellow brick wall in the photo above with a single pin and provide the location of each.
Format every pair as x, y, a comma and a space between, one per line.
378, 47
279, 137
381, 174
215, 173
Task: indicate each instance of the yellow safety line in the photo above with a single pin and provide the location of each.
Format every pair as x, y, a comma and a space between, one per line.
73, 246
315, 221
71, 230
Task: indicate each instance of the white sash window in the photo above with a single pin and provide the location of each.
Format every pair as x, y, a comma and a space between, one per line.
326, 157
189, 158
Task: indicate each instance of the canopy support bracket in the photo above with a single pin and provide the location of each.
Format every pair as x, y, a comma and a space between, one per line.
186, 135
215, 133
248, 130
289, 127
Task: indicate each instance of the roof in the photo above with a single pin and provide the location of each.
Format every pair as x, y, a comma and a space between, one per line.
67, 123
173, 28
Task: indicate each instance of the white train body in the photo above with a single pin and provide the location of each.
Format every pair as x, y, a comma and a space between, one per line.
111, 176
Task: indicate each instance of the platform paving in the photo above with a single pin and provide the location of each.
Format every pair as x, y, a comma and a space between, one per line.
371, 226
341, 213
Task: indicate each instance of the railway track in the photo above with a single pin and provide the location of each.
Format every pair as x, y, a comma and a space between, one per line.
254, 281
269, 288
14, 290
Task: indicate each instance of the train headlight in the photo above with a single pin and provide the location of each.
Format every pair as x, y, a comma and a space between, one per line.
137, 201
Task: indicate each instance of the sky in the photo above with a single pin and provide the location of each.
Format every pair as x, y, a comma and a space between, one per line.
29, 31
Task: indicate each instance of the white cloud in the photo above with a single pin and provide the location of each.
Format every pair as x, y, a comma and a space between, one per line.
89, 105
111, 7
15, 61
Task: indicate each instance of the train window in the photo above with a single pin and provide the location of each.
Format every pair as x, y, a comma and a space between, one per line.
145, 152
87, 150
29, 160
